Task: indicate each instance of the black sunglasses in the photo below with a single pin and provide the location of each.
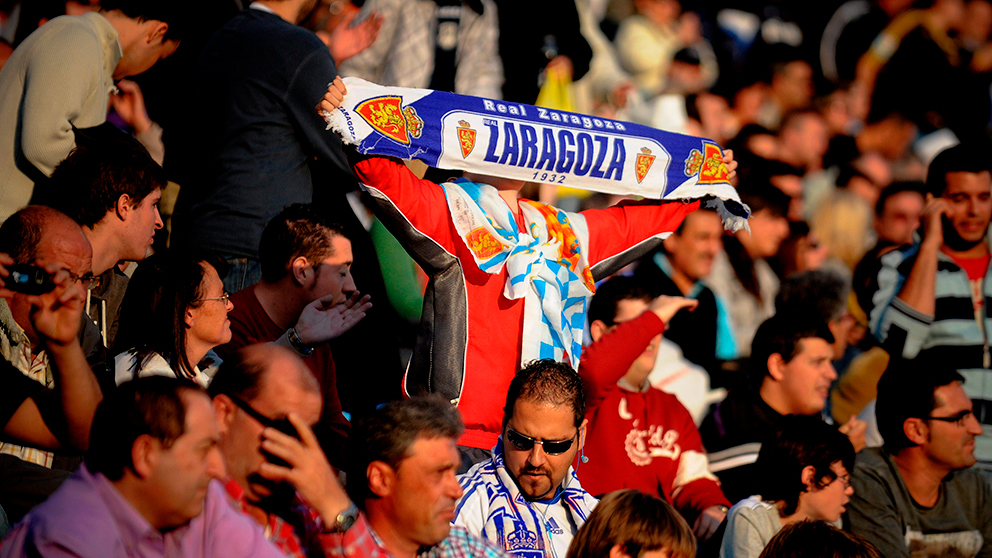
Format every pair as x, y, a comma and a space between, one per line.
526, 443
282, 425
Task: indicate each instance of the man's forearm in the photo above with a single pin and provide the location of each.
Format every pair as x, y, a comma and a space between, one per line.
920, 289
78, 389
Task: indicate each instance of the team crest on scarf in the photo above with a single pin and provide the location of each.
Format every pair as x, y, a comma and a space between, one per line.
643, 163
570, 252
482, 243
389, 117
708, 164
466, 138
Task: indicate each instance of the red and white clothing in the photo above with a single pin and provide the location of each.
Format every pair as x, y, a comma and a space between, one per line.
469, 345
643, 439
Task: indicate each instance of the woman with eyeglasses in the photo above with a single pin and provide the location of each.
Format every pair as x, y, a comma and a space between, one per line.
803, 475
173, 314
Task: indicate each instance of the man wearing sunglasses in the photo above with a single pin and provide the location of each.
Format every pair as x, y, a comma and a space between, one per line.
920, 490
526, 498
266, 400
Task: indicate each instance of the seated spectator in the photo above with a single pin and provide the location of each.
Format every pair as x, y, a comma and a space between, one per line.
802, 475
38, 234
816, 539
741, 277
678, 270
111, 187
42, 99
821, 294
630, 524
306, 297
265, 396
662, 453
842, 221
177, 317
526, 498
920, 494
402, 463
147, 485
790, 374
51, 419
803, 140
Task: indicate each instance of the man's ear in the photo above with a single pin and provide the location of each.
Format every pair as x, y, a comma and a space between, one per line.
915, 430
808, 477
224, 411
123, 207
582, 433
776, 367
156, 31
382, 478
616, 551
144, 455
597, 329
301, 270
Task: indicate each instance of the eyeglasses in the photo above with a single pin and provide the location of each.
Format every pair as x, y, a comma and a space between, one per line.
526, 443
88, 280
282, 425
961, 419
845, 480
223, 298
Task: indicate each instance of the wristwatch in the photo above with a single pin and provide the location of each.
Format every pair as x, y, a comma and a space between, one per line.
298, 344
345, 519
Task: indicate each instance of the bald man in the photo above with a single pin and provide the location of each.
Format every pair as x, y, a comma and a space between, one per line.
266, 400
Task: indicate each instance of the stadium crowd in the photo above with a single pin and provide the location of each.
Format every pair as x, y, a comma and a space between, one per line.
225, 332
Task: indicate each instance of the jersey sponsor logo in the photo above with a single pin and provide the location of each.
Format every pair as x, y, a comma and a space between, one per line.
388, 117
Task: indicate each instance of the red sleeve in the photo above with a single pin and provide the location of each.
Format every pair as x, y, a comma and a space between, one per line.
607, 360
617, 229
420, 204
700, 492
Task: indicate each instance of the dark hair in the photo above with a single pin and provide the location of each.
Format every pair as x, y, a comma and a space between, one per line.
387, 434
799, 442
603, 306
906, 390
546, 381
299, 230
960, 158
636, 521
153, 312
817, 539
23, 231
759, 195
782, 334
178, 14
240, 375
818, 293
702, 209
104, 165
152, 406
895, 188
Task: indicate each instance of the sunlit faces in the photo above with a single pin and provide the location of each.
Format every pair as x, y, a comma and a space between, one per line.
140, 225
969, 204
333, 275
207, 320
425, 491
805, 380
538, 474
181, 473
950, 444
692, 252
827, 503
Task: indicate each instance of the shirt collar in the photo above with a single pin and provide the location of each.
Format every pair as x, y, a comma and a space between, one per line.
262, 8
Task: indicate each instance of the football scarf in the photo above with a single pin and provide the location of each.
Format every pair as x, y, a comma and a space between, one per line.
534, 144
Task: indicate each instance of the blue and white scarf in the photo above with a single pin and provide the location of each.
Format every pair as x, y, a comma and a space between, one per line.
534, 144
546, 265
